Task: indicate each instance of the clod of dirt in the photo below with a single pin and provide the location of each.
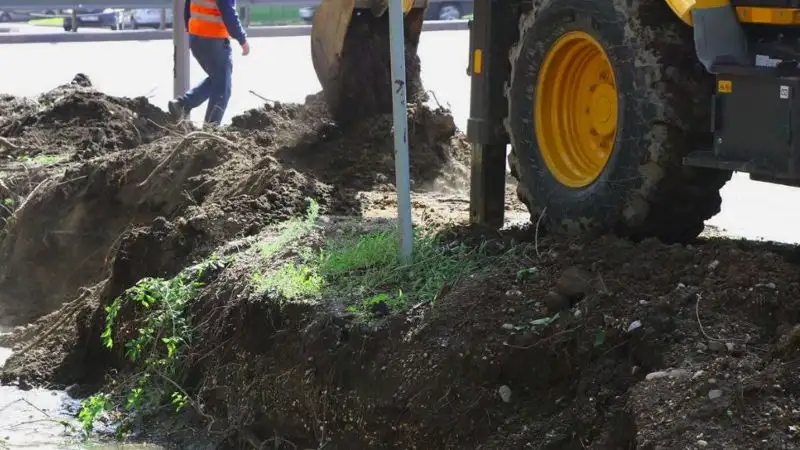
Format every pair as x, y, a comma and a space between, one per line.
361, 156
575, 283
76, 119
363, 86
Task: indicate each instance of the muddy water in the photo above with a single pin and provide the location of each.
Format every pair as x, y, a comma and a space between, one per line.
44, 419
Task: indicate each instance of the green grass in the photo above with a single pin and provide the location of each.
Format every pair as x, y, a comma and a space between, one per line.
48, 22
365, 269
274, 15
45, 160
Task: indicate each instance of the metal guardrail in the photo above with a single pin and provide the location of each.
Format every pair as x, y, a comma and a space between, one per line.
158, 35
30, 5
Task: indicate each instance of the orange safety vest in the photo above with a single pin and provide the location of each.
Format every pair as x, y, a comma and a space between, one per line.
206, 19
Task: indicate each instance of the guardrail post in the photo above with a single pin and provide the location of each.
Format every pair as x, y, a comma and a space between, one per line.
163, 24
180, 43
74, 20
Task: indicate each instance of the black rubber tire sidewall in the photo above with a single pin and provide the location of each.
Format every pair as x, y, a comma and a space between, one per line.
600, 200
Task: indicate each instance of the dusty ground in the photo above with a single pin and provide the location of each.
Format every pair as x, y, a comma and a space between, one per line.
654, 346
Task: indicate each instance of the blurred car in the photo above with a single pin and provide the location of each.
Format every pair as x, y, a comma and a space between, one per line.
307, 13
112, 18
148, 18
437, 10
16, 15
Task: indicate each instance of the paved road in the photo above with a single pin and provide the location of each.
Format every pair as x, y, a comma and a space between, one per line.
280, 69
23, 27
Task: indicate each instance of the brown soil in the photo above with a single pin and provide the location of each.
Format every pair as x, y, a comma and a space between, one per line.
76, 119
358, 88
654, 346
600, 377
77, 210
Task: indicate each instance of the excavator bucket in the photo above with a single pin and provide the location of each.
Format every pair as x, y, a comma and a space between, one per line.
350, 54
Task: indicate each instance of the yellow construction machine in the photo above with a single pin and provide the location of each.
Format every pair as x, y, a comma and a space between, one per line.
623, 116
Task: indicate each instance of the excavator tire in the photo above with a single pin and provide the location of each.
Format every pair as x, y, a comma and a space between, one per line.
605, 99
358, 83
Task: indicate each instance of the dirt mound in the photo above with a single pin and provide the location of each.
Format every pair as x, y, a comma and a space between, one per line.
359, 156
78, 120
491, 365
219, 187
595, 345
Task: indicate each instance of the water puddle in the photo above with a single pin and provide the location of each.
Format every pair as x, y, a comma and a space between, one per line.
44, 419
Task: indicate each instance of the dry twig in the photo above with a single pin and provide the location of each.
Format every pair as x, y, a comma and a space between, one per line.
536, 236
265, 99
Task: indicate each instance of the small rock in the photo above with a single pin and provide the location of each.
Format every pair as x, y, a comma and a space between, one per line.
514, 293
701, 347
698, 374
716, 346
671, 373
508, 326
556, 302
730, 346
575, 283
714, 394
713, 265
702, 443
505, 393
686, 294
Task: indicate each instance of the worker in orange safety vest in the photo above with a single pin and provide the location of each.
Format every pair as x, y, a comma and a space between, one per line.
211, 25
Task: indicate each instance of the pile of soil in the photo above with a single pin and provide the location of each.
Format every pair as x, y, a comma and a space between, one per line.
210, 188
76, 119
601, 344
360, 156
653, 347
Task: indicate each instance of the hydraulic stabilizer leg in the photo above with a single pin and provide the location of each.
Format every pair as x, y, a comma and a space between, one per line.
491, 37
718, 36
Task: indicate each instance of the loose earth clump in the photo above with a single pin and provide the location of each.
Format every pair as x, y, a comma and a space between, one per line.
359, 79
289, 323
78, 120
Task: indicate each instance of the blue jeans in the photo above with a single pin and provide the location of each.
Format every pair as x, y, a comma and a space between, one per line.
214, 56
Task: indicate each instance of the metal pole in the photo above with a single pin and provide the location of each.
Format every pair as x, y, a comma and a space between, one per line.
180, 43
400, 110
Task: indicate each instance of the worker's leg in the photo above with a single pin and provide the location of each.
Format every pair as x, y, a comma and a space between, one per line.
220, 80
203, 50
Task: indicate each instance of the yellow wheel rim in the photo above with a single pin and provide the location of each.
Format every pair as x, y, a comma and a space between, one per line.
576, 109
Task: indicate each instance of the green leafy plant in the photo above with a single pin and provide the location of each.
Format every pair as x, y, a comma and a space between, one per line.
164, 332
91, 408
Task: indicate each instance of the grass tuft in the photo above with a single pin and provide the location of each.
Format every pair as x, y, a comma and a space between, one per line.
365, 271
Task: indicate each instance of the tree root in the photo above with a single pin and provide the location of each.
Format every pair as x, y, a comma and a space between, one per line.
68, 311
8, 146
182, 145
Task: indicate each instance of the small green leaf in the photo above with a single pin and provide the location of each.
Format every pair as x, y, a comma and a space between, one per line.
599, 338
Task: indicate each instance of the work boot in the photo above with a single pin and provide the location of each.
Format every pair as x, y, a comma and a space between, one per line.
176, 110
